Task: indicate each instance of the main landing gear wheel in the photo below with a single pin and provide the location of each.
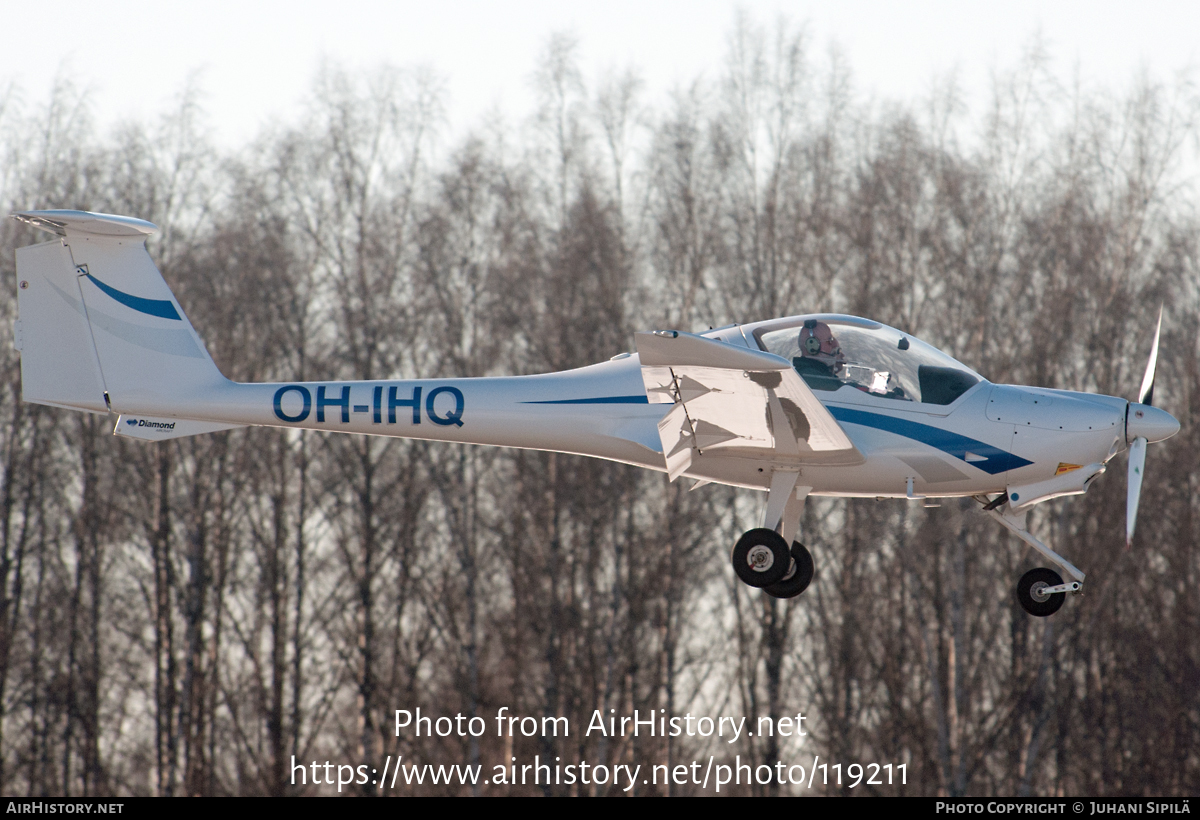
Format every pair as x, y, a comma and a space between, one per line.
761, 558
798, 577
1031, 594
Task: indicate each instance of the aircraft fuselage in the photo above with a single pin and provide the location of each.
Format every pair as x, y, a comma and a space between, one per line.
992, 437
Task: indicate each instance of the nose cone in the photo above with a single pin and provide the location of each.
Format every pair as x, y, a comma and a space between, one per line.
1150, 423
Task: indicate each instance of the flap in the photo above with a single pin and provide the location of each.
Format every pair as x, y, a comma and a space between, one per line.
732, 398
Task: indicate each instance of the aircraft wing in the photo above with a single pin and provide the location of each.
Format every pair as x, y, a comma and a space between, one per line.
730, 398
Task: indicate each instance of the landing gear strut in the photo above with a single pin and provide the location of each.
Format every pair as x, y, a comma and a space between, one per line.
762, 558
1040, 591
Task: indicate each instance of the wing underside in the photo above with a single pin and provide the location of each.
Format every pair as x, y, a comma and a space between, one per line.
733, 401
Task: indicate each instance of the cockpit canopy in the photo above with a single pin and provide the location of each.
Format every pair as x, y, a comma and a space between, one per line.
832, 351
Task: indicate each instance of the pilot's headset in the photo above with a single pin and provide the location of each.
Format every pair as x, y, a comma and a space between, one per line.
818, 342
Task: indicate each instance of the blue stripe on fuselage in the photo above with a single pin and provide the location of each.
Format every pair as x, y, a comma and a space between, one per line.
996, 460
598, 400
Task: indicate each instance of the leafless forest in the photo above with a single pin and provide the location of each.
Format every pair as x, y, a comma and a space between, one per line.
184, 617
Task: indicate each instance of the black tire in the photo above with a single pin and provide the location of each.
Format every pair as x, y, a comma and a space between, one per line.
798, 577
761, 558
1032, 599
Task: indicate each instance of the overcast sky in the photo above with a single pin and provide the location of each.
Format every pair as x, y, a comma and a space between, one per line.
255, 59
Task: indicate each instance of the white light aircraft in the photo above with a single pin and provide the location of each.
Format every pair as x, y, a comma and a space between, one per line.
822, 405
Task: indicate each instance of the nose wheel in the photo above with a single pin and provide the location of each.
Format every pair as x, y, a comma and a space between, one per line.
1036, 592
1040, 591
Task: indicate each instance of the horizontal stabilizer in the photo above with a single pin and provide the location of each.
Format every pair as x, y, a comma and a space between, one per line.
86, 222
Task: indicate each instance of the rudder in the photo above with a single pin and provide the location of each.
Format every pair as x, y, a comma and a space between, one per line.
58, 359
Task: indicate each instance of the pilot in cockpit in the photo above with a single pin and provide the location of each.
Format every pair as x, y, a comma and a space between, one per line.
821, 359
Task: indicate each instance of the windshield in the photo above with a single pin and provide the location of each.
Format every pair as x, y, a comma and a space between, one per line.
831, 352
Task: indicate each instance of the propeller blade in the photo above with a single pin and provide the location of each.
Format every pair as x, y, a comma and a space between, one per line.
1146, 394
1137, 461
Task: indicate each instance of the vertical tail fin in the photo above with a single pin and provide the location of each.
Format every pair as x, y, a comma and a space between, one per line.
98, 328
